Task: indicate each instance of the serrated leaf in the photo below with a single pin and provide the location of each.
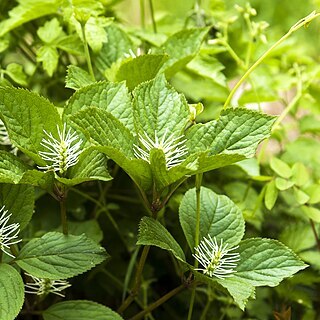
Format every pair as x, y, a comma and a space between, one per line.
283, 184
77, 78
152, 232
312, 213
11, 168
157, 107
300, 174
111, 97
49, 57
28, 10
118, 44
56, 256
26, 115
219, 217
11, 292
181, 47
44, 180
281, 168
70, 44
139, 69
50, 31
266, 262
15, 72
80, 310
300, 196
237, 131
92, 165
271, 195
18, 200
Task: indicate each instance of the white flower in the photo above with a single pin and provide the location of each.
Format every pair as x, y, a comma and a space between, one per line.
63, 153
8, 233
217, 261
136, 54
42, 287
172, 148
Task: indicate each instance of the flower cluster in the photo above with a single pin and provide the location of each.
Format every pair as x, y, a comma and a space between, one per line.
217, 260
63, 152
171, 146
8, 232
43, 287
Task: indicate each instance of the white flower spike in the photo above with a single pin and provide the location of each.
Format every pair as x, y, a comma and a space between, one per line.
217, 260
63, 153
8, 233
171, 146
43, 287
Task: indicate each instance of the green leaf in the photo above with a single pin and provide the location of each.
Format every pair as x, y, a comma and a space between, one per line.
28, 10
157, 107
77, 78
237, 131
314, 193
92, 165
70, 44
15, 72
283, 184
56, 256
44, 180
11, 167
139, 69
312, 213
266, 262
111, 97
300, 174
49, 57
271, 195
281, 168
312, 257
118, 44
50, 31
18, 200
11, 292
219, 217
239, 289
90, 228
26, 115
152, 232
181, 47
300, 196
79, 310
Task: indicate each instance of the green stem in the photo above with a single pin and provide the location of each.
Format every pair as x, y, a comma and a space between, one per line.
142, 14
206, 309
152, 17
315, 233
298, 25
157, 303
63, 213
137, 282
193, 295
87, 53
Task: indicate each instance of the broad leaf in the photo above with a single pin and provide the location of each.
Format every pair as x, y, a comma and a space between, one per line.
50, 31
26, 115
181, 47
77, 78
152, 232
43, 180
111, 97
18, 200
219, 217
49, 57
56, 256
80, 310
15, 72
266, 262
11, 292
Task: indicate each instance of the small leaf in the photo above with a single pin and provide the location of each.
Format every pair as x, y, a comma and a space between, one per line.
266, 262
300, 174
312, 213
314, 193
281, 168
15, 72
300, 196
12, 292
283, 184
152, 232
271, 195
50, 31
219, 217
56, 256
77, 78
49, 57
90, 228
79, 310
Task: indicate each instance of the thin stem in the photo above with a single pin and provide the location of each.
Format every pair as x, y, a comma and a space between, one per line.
142, 14
86, 52
315, 233
63, 213
303, 22
193, 295
158, 303
137, 282
152, 17
206, 309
